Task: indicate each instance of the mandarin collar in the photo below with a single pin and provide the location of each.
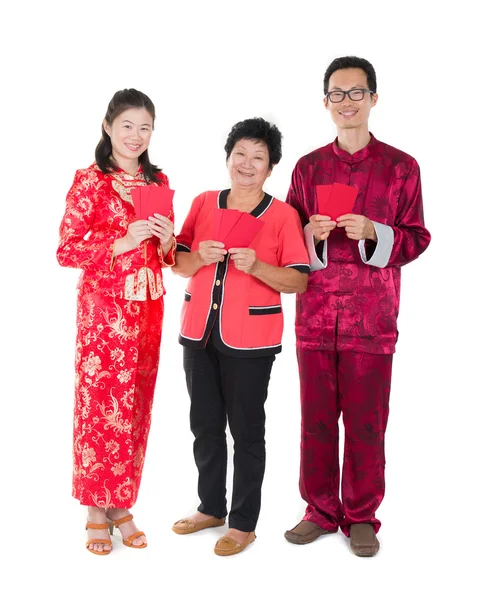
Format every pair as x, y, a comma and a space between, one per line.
357, 156
127, 175
123, 174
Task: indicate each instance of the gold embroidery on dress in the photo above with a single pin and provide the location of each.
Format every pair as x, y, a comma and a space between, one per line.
136, 285
122, 191
123, 182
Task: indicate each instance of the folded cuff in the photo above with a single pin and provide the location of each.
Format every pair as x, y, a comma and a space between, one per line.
169, 259
315, 263
382, 251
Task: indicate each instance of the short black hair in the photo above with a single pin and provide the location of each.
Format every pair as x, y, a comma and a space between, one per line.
258, 130
351, 62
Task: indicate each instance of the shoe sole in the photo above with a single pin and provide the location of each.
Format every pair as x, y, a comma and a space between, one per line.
363, 554
301, 542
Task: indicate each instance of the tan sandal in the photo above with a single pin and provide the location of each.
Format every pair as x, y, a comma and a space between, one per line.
129, 540
185, 526
98, 541
227, 546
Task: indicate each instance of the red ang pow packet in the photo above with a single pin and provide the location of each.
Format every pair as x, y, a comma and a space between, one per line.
151, 199
224, 221
336, 200
235, 229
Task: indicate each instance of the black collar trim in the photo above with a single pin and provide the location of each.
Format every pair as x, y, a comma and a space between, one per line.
261, 208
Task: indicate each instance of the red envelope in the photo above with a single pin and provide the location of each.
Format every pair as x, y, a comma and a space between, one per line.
135, 197
323, 194
224, 222
338, 201
217, 223
342, 200
244, 232
153, 199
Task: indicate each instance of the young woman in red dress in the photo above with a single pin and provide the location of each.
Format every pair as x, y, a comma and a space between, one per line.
119, 317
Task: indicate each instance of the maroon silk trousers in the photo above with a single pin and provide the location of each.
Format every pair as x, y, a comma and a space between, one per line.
358, 386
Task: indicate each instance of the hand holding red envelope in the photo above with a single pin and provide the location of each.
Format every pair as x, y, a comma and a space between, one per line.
235, 229
336, 200
151, 199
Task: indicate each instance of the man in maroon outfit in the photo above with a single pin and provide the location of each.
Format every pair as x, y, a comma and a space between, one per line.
346, 321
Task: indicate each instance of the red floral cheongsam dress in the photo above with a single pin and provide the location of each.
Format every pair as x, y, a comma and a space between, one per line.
119, 324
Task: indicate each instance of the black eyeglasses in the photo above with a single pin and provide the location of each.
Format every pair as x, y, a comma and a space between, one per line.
339, 95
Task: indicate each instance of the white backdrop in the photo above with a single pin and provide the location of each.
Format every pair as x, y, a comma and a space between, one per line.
207, 65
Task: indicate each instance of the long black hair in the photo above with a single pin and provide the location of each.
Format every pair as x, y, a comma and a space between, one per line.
121, 101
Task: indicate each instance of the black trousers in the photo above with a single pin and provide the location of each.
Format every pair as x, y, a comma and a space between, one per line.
224, 388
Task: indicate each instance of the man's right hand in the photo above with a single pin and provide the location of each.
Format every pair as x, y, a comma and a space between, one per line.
321, 227
211, 252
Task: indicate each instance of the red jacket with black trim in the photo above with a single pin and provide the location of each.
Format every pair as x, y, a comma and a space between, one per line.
245, 313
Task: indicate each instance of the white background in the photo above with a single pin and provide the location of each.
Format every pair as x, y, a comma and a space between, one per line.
207, 65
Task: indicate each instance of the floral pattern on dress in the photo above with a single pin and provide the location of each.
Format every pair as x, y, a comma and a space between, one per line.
118, 336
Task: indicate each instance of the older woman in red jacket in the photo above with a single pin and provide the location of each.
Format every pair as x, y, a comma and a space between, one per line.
232, 325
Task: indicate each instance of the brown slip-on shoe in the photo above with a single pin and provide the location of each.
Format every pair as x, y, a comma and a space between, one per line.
185, 526
227, 546
305, 533
363, 541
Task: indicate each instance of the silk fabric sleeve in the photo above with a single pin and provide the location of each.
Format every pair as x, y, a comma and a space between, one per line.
295, 196
411, 237
169, 259
74, 249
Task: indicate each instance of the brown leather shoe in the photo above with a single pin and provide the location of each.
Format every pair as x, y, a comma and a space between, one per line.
185, 526
363, 541
305, 533
227, 546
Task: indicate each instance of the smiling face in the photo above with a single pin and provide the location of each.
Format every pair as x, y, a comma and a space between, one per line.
248, 164
130, 134
350, 114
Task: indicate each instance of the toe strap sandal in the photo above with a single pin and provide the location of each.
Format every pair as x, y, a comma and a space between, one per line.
98, 541
129, 540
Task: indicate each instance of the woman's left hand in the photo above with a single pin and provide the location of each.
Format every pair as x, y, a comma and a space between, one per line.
161, 227
245, 259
